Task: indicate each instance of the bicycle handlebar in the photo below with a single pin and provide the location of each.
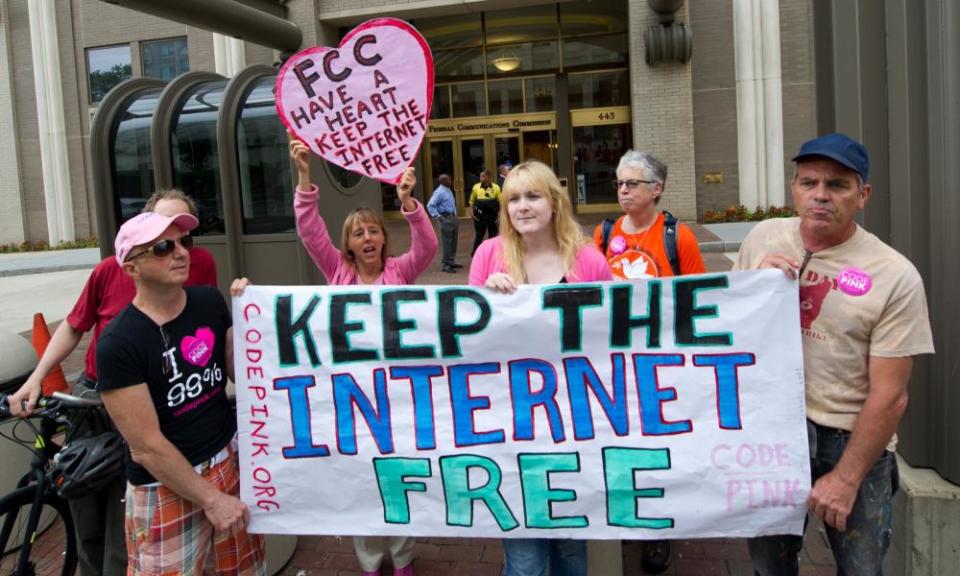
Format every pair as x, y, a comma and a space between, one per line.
59, 400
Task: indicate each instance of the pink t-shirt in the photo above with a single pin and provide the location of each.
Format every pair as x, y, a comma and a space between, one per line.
589, 265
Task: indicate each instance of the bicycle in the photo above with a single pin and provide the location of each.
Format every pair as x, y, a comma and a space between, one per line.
35, 494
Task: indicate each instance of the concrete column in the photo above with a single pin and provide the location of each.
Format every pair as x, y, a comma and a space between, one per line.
238, 57
221, 61
772, 102
926, 524
756, 32
53, 138
229, 55
748, 148
11, 192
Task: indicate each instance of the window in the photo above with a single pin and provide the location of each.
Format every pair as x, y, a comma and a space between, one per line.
521, 24
193, 147
599, 90
594, 17
595, 51
468, 100
165, 59
540, 93
107, 67
441, 102
447, 32
266, 177
598, 150
506, 96
131, 164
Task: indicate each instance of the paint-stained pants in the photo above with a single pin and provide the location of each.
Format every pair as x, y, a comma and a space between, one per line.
860, 549
371, 550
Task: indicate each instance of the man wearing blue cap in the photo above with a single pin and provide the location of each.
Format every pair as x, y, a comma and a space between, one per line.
863, 316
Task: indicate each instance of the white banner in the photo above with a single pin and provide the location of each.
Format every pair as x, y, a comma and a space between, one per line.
654, 409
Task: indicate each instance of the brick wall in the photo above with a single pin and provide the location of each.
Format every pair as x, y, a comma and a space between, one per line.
662, 110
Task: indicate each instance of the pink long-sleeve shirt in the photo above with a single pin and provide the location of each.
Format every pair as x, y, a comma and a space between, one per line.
589, 265
402, 269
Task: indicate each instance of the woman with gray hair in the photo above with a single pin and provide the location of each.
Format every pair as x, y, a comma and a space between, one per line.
644, 242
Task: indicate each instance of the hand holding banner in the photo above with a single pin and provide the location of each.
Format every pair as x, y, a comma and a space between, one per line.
364, 105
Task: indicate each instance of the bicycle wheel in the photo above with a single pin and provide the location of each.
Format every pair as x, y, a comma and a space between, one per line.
52, 551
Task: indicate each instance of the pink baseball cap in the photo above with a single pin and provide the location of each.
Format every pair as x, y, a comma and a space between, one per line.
147, 227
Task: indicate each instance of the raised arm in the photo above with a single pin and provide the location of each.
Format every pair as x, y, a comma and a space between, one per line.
423, 238
311, 228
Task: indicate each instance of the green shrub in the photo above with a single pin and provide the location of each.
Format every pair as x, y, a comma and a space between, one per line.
743, 214
40, 245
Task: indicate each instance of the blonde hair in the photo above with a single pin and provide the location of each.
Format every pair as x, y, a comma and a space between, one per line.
170, 194
533, 174
364, 216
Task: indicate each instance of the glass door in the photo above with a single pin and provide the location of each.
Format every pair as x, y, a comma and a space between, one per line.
463, 158
507, 150
442, 161
473, 159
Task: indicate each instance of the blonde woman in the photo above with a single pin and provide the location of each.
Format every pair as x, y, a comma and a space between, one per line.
540, 242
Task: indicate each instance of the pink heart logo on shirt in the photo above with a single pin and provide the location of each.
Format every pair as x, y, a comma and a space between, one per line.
363, 105
198, 349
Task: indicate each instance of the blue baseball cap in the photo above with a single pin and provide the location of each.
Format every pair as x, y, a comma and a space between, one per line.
840, 148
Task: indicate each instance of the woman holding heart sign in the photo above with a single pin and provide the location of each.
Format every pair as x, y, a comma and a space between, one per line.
362, 259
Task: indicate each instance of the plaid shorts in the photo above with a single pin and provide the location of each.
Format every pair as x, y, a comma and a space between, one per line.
167, 534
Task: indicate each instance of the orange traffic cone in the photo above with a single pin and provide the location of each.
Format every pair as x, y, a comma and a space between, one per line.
55, 380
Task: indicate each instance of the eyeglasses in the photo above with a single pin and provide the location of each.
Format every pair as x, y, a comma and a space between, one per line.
631, 184
167, 364
164, 248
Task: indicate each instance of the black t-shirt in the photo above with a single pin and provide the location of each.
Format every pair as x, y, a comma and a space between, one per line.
183, 364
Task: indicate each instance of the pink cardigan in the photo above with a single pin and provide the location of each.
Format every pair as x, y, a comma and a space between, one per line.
589, 265
402, 269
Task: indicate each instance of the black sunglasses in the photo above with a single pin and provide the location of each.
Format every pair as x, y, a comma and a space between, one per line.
165, 248
631, 184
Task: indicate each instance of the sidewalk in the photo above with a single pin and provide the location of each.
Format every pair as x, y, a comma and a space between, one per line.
23, 263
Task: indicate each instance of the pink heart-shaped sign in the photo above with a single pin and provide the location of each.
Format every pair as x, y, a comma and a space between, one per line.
363, 105
198, 349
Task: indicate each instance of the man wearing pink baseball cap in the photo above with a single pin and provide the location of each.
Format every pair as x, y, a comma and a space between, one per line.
163, 365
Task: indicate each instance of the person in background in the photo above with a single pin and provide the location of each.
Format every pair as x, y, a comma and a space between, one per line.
362, 259
98, 518
541, 244
443, 208
863, 317
485, 204
502, 171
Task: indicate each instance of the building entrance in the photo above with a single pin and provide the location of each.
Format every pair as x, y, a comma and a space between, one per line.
464, 148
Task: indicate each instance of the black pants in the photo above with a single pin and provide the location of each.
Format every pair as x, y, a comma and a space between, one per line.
98, 518
483, 227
